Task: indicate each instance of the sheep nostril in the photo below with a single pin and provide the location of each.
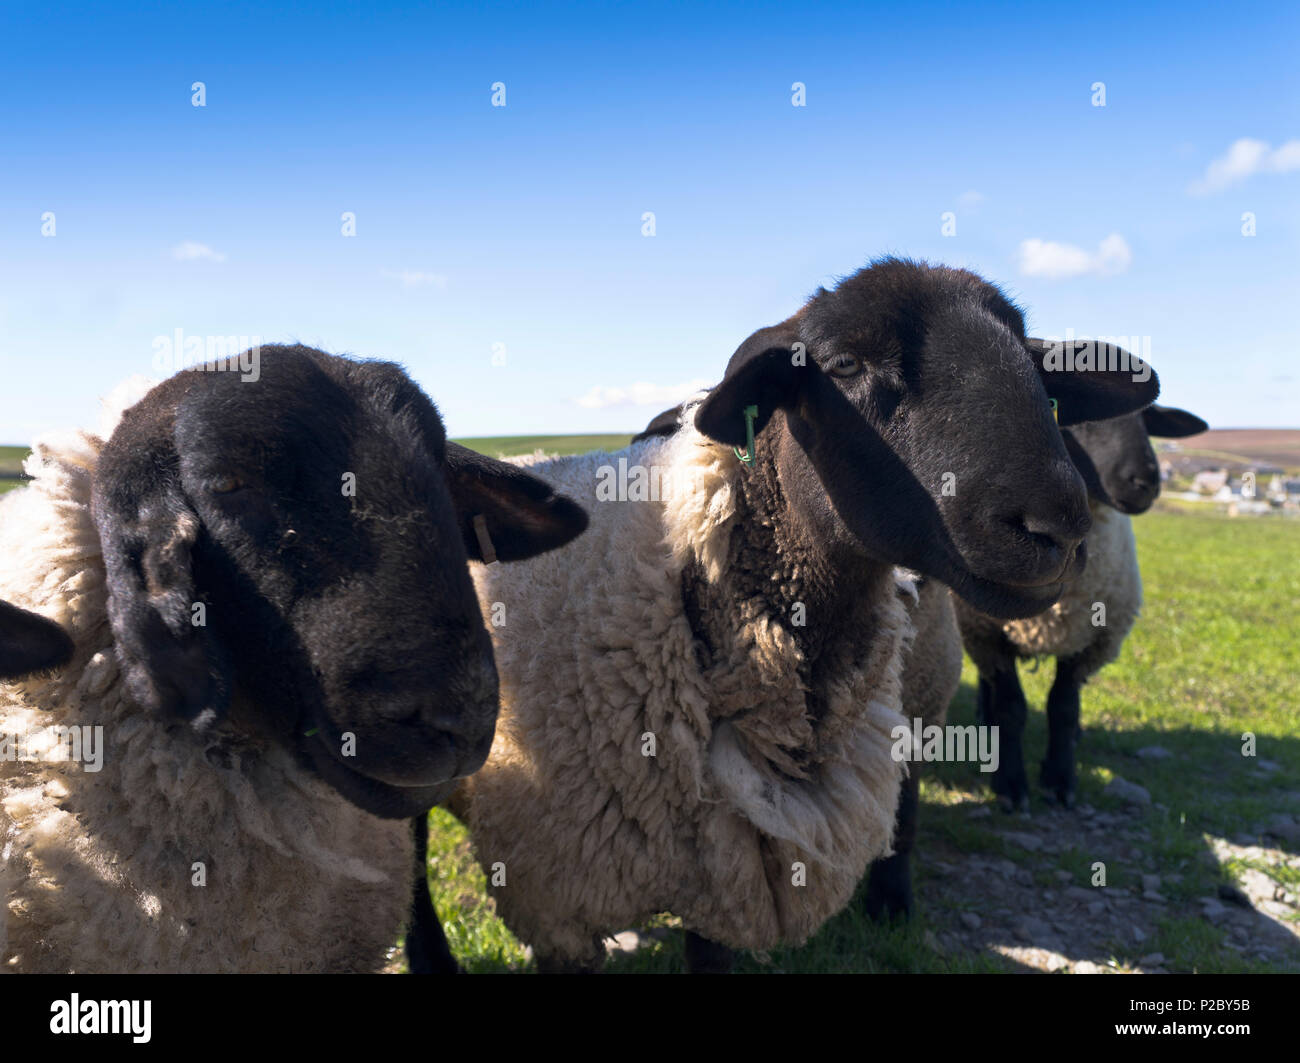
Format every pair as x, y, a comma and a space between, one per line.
1058, 541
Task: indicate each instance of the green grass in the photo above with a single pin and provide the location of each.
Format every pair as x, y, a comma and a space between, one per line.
11, 464
508, 446
1215, 655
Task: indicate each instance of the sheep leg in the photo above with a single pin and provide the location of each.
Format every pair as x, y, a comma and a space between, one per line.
707, 957
427, 951
1001, 704
889, 883
1058, 774
555, 963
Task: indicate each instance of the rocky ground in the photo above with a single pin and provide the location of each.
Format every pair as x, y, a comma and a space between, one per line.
1042, 911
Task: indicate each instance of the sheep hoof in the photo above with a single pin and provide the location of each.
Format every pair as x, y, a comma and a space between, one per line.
1059, 782
1011, 804
707, 957
889, 891
1012, 790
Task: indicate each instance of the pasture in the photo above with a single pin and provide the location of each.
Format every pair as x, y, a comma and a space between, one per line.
1202, 877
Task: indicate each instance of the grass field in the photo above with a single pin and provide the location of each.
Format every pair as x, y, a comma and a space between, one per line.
11, 458
508, 446
11, 464
1216, 655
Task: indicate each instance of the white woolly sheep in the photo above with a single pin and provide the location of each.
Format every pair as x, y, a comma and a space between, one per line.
698, 698
253, 576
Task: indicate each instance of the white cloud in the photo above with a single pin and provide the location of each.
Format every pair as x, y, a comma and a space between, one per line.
1045, 258
189, 251
412, 278
1245, 158
640, 394
970, 198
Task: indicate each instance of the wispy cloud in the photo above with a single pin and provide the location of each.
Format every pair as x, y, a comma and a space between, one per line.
190, 251
413, 278
970, 198
639, 394
1046, 258
1245, 158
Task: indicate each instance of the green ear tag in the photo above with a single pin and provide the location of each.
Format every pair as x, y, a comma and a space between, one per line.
1055, 418
748, 457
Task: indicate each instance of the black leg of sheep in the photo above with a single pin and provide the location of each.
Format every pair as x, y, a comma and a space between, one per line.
707, 957
1001, 704
889, 882
1058, 774
427, 951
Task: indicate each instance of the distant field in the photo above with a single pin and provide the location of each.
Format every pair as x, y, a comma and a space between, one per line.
11, 464
1240, 447
11, 458
508, 446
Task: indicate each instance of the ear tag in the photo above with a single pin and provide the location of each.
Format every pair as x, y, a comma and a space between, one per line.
1055, 417
748, 457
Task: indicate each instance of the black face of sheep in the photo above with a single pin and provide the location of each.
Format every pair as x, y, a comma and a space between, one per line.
1115, 457
912, 423
287, 557
30, 643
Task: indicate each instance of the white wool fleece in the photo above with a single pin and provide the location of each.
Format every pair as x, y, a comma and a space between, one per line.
723, 825
1110, 578
173, 857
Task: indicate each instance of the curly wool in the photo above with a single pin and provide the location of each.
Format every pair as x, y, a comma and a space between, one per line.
597, 658
98, 868
932, 664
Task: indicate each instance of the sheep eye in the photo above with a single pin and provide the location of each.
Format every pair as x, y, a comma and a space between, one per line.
223, 485
845, 365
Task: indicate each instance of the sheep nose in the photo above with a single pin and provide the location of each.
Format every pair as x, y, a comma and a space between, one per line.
1059, 537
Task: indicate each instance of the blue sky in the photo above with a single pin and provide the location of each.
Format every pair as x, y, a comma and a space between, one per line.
518, 229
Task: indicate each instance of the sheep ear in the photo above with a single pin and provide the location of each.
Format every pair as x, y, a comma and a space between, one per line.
1171, 422
664, 424
507, 514
30, 643
171, 660
1075, 374
766, 372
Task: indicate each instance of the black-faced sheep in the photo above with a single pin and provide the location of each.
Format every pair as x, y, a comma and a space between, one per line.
1085, 629
698, 698
278, 653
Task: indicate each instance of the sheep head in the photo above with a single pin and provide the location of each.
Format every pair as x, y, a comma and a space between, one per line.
287, 557
910, 423
1115, 457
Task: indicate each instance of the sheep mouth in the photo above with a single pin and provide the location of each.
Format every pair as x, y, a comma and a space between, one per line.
1008, 601
1132, 507
386, 799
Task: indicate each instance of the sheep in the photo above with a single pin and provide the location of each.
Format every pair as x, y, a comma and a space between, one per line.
931, 675
277, 650
1085, 629
698, 697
